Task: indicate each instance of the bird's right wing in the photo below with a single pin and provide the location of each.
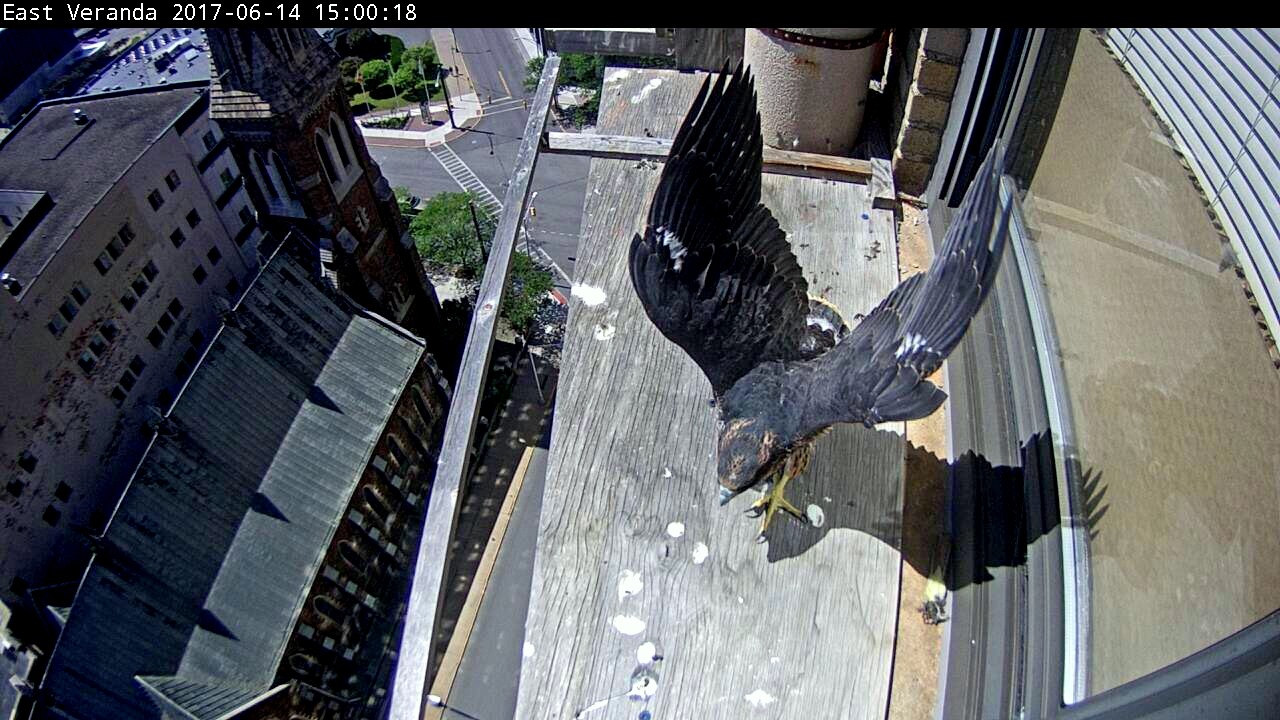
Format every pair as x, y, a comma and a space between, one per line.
713, 269
877, 373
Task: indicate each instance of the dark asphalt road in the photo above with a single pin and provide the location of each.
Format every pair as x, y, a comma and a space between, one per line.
560, 181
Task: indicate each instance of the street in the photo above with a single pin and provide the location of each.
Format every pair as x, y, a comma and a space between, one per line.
496, 66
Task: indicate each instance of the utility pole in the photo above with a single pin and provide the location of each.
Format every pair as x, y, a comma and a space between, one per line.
475, 222
448, 106
392, 79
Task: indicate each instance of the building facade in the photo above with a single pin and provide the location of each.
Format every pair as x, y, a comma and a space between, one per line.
278, 95
126, 228
256, 565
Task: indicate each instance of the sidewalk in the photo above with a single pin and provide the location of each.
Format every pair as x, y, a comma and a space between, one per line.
522, 422
466, 113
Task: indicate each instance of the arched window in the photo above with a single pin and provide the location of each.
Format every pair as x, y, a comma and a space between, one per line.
281, 174
423, 409
339, 141
304, 664
352, 555
329, 609
377, 505
322, 149
264, 176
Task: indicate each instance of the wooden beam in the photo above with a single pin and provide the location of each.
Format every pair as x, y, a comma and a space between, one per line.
409, 689
640, 148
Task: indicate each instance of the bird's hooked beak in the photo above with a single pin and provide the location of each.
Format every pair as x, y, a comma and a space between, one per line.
726, 495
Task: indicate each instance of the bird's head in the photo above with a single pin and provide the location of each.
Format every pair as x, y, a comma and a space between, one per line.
747, 452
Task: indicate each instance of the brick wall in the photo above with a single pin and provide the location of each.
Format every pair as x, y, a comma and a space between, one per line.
923, 78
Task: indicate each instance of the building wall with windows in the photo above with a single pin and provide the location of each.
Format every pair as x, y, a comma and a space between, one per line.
112, 290
267, 536
278, 96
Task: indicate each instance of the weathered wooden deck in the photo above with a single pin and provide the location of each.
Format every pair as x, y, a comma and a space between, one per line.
801, 627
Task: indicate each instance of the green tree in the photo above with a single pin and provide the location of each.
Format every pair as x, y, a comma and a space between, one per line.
534, 73
364, 43
581, 70
527, 287
446, 238
408, 82
375, 74
426, 53
348, 67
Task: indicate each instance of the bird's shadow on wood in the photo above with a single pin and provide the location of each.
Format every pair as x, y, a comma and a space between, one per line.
967, 516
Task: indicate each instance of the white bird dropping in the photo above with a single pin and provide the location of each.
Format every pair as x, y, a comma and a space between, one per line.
675, 529
646, 653
629, 583
700, 553
628, 624
759, 698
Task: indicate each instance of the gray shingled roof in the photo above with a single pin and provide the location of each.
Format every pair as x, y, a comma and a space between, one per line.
199, 700
78, 164
209, 556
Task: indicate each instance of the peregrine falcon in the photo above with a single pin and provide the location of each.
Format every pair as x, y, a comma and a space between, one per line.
716, 275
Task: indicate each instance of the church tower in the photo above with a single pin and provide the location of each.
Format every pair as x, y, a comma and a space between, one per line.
277, 96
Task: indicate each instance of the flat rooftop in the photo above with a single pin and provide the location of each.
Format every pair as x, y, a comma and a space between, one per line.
171, 55
77, 164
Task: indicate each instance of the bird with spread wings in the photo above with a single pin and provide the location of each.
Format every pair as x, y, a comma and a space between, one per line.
716, 275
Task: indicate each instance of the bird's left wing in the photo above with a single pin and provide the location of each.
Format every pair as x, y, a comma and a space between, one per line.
713, 269
877, 373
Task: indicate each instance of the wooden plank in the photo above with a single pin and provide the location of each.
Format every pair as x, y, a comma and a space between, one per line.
800, 627
408, 694
643, 147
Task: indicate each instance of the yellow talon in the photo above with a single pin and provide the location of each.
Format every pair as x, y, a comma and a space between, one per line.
774, 500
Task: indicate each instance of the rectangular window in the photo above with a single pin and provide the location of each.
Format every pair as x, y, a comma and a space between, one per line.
193, 218
118, 396
155, 199
215, 256
175, 308
103, 263
69, 309
127, 380
126, 235
197, 338
87, 361
51, 515
182, 369
165, 398
226, 177
56, 326
137, 365
109, 330
166, 323
246, 215
63, 492
177, 238
150, 270
139, 286
172, 180
115, 248
210, 140
28, 461
128, 301
155, 337
233, 286
199, 274
79, 292
97, 345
